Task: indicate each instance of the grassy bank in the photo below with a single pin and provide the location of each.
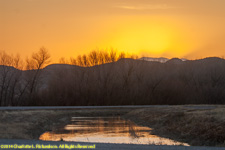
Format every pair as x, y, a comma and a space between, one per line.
186, 124
30, 124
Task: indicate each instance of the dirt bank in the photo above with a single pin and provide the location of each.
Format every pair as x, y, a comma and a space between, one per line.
193, 125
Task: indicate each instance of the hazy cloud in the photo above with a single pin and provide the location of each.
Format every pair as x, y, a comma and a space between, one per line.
145, 7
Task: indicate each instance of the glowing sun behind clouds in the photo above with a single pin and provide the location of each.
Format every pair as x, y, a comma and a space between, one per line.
146, 36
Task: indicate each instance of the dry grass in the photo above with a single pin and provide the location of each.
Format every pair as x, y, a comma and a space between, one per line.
30, 124
196, 127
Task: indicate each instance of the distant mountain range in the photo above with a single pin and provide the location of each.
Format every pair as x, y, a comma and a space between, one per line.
160, 59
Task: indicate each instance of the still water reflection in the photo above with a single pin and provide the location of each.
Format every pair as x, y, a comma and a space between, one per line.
105, 130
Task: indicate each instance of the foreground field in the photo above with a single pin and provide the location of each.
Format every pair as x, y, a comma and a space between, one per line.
196, 125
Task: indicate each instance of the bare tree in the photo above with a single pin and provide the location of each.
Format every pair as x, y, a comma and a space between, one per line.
93, 58
85, 61
122, 55
113, 55
34, 64
15, 81
79, 61
73, 61
9, 77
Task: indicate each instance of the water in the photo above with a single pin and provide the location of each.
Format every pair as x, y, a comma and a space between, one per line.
105, 130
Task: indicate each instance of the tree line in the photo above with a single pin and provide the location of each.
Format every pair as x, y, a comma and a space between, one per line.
20, 79
109, 78
97, 57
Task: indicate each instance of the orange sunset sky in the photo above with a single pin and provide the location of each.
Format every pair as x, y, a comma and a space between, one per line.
168, 28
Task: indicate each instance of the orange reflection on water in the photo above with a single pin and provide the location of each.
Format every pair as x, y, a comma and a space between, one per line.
106, 130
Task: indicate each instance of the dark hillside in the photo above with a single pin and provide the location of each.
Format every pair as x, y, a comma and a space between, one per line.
126, 82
